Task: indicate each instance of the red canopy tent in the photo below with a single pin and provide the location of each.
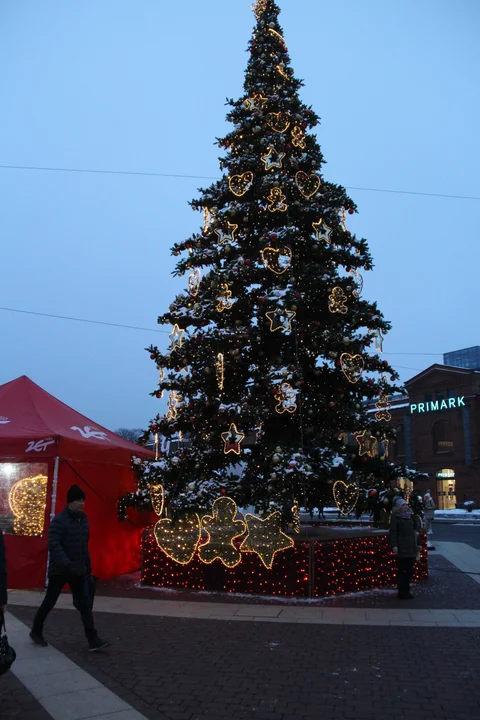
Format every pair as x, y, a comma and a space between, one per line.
46, 446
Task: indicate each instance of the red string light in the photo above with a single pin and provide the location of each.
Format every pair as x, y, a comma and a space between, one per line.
339, 566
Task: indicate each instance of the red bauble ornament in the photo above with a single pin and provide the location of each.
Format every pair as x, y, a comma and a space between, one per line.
370, 382
154, 428
223, 491
159, 394
298, 296
332, 404
350, 211
384, 362
152, 356
262, 300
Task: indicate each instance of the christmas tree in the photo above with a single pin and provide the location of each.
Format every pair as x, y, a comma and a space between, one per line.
273, 350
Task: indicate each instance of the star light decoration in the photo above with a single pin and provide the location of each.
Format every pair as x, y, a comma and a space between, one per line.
280, 319
367, 443
265, 537
176, 337
286, 398
222, 529
232, 439
323, 232
273, 158
224, 236
256, 102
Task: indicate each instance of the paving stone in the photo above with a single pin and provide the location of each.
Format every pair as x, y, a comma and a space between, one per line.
16, 702
195, 669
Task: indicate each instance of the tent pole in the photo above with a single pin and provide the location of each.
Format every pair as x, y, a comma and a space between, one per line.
54, 488
52, 509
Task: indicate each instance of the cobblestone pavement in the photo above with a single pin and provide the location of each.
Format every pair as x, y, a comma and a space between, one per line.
447, 588
183, 669
17, 702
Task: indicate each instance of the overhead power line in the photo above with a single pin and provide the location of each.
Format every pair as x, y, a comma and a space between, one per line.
210, 177
143, 329
82, 320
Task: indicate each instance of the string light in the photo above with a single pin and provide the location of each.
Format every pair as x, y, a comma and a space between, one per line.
358, 281
276, 200
179, 539
157, 496
259, 8
367, 443
337, 301
224, 300
298, 138
173, 401
383, 408
277, 260
352, 367
345, 496
229, 236
265, 537
272, 158
279, 122
240, 184
208, 218
232, 439
194, 280
322, 231
343, 219
176, 337
296, 517
378, 339
286, 398
308, 570
156, 444
280, 319
161, 378
28, 499
277, 35
308, 185
219, 370
222, 530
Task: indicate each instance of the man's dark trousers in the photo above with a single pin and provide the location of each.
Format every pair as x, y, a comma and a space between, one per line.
81, 599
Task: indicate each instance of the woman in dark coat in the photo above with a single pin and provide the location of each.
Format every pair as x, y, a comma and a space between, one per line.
406, 543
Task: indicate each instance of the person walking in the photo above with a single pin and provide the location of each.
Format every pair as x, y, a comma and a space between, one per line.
405, 540
429, 512
69, 564
3, 577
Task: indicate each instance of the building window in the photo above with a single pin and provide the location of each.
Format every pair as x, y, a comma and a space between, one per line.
440, 396
400, 441
452, 393
442, 437
428, 397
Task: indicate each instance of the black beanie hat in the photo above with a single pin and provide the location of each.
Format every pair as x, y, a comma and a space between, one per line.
75, 493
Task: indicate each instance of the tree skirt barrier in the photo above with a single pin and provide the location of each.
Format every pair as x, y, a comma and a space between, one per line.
337, 563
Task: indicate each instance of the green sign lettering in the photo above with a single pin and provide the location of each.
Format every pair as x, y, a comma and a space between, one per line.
435, 405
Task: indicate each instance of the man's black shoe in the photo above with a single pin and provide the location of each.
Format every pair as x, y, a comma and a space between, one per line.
97, 644
38, 639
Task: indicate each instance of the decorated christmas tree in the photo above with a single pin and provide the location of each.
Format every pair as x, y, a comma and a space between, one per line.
273, 350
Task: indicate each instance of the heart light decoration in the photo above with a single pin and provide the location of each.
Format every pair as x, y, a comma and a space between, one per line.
278, 122
352, 366
276, 260
308, 185
179, 540
345, 496
240, 184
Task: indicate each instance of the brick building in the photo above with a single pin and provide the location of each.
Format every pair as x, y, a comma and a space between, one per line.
438, 432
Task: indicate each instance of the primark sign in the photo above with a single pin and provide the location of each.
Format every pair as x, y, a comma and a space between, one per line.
434, 405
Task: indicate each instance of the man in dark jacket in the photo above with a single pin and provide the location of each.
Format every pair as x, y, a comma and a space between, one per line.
3, 576
69, 563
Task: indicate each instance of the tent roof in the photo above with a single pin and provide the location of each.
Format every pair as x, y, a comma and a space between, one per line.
35, 425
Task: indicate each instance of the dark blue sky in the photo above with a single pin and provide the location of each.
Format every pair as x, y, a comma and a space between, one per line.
141, 86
